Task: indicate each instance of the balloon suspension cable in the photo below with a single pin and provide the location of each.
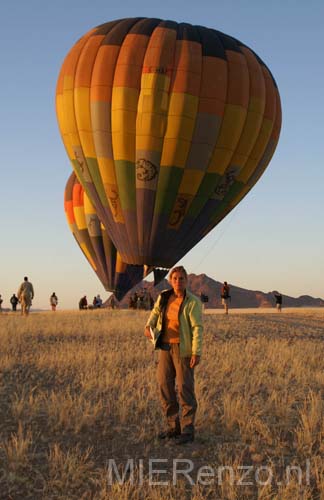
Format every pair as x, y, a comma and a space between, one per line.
230, 220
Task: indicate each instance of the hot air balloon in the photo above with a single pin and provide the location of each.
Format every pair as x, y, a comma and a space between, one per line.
92, 238
168, 126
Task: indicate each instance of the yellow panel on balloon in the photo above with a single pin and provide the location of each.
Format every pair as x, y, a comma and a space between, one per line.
191, 181
80, 218
88, 147
150, 124
61, 113
175, 152
68, 105
248, 138
124, 98
153, 102
256, 105
68, 146
75, 140
248, 170
82, 108
149, 143
88, 207
180, 127
124, 146
183, 104
107, 170
232, 126
155, 81
257, 152
264, 136
87, 254
220, 161
123, 120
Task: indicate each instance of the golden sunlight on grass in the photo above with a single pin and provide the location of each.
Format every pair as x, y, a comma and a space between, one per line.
78, 402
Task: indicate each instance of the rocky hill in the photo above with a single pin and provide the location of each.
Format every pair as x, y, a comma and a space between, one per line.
240, 297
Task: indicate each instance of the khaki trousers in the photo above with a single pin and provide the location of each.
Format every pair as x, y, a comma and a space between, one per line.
172, 370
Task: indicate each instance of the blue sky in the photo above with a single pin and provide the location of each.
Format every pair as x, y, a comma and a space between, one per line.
274, 239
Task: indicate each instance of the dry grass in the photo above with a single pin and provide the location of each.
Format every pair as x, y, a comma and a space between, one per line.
78, 389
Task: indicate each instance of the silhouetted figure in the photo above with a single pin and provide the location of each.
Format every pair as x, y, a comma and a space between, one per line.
97, 302
1, 300
225, 296
133, 301
140, 301
278, 298
204, 299
53, 301
14, 301
25, 296
83, 303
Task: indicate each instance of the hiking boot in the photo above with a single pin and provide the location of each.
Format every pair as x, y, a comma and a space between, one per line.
185, 438
169, 434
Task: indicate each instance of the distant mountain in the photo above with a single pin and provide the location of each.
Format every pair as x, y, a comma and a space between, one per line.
240, 297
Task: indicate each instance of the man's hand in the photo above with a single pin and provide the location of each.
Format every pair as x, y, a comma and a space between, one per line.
194, 361
147, 332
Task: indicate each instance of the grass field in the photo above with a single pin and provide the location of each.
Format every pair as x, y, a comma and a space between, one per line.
79, 412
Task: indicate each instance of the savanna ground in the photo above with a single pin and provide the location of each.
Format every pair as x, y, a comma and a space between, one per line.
78, 389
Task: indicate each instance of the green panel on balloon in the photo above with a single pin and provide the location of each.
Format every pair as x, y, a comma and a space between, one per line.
204, 192
125, 173
168, 185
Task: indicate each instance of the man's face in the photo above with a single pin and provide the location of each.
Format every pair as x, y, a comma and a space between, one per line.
178, 281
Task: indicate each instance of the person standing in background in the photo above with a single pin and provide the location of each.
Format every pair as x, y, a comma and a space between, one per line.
278, 298
25, 296
14, 301
53, 301
225, 296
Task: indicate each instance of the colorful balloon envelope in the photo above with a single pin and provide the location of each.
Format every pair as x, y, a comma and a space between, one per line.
92, 238
168, 126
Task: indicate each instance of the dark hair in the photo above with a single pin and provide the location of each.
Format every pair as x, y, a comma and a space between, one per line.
25, 278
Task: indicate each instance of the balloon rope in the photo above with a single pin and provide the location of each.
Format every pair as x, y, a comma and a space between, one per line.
230, 220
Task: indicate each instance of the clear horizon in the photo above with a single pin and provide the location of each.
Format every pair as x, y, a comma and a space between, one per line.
273, 240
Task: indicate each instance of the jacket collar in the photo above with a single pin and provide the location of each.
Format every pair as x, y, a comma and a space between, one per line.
166, 294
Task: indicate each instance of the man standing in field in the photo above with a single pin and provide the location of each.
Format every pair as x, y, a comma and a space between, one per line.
278, 298
25, 296
225, 296
177, 315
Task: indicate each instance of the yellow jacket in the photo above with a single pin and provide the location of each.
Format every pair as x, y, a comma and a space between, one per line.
190, 321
